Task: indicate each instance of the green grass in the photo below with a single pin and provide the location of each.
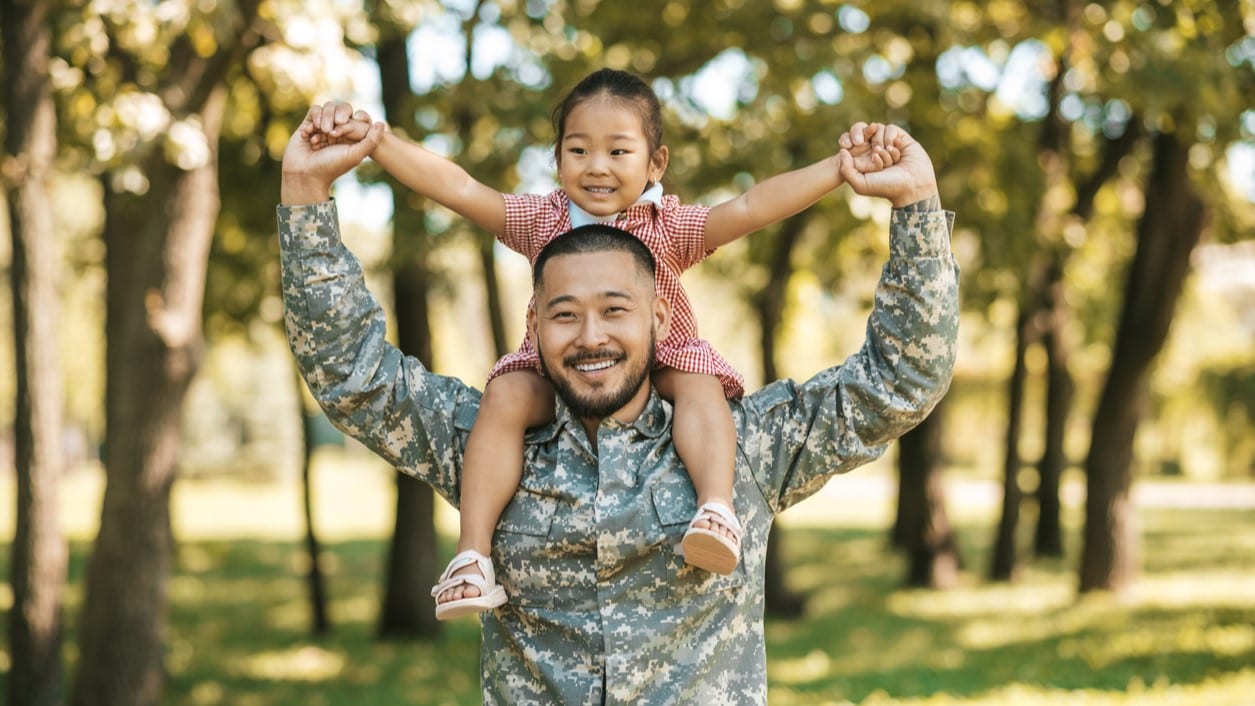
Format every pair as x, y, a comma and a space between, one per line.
239, 627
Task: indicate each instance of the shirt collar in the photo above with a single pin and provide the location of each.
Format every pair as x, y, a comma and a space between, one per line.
580, 217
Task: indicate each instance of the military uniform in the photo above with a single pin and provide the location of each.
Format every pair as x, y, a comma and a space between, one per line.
602, 609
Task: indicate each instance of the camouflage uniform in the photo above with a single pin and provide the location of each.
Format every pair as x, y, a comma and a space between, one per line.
602, 608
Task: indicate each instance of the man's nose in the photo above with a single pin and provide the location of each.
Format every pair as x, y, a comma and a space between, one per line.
592, 332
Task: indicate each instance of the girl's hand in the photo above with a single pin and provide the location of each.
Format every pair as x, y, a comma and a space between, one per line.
337, 123
872, 146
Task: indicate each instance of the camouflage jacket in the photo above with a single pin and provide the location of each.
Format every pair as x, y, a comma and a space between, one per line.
602, 609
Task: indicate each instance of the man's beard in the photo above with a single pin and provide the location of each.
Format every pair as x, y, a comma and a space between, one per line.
606, 402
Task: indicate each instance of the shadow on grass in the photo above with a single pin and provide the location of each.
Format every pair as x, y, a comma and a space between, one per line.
239, 624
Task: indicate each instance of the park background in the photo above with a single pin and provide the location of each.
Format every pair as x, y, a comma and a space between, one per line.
1076, 523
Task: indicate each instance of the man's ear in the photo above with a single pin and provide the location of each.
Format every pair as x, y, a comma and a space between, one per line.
658, 164
531, 327
662, 317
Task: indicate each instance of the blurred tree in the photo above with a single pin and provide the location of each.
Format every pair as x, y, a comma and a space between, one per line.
39, 554
320, 622
161, 206
268, 97
413, 558
923, 528
1159, 67
1068, 94
1169, 229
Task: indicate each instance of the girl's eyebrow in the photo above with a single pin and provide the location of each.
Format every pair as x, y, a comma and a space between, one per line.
615, 137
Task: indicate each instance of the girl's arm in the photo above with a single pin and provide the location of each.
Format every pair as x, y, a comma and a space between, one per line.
424, 172
770, 201
872, 148
442, 181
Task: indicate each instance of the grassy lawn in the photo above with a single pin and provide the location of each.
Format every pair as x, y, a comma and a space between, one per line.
238, 628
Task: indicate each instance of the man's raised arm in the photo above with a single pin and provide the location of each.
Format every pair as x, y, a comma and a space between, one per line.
797, 436
415, 420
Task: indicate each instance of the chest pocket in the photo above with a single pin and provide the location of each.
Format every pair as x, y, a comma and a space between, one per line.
521, 545
675, 503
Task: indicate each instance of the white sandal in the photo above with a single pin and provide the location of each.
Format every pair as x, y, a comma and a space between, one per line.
709, 549
490, 594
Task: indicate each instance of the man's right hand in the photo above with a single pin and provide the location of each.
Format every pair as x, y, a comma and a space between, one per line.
308, 172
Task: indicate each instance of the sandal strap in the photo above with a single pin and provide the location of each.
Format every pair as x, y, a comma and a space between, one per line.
719, 514
464, 559
462, 580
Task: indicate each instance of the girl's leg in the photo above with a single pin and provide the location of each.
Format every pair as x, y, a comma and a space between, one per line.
493, 463
704, 436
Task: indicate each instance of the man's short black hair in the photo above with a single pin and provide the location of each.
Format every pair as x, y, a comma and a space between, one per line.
595, 237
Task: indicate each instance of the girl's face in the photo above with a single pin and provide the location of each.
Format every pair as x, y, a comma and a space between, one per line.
604, 163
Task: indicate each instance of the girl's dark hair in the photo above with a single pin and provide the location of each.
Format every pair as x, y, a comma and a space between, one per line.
619, 85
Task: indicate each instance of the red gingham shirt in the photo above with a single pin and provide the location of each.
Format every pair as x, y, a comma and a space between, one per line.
674, 233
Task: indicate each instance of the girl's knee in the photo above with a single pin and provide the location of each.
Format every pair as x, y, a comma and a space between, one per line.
518, 398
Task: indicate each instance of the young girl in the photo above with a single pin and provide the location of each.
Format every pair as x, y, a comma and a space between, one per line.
610, 160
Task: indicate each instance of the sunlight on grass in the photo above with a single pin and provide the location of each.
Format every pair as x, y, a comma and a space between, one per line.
1228, 690
306, 663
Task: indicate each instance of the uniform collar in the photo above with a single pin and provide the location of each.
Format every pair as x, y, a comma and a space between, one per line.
653, 422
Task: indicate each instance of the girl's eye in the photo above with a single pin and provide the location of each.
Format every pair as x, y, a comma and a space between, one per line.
618, 152
576, 150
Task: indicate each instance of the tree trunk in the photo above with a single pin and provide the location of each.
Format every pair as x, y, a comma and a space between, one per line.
408, 608
157, 250
1048, 538
492, 294
38, 563
1167, 232
781, 601
1003, 563
320, 623
932, 554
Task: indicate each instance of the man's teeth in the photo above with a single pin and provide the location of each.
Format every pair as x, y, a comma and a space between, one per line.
594, 367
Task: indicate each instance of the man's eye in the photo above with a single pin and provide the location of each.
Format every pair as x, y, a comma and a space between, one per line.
615, 310
561, 315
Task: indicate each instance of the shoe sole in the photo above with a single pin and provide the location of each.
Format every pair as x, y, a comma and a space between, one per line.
709, 551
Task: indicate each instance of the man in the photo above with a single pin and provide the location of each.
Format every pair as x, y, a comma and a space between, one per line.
602, 609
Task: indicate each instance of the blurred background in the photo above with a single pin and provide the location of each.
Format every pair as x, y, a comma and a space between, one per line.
1075, 523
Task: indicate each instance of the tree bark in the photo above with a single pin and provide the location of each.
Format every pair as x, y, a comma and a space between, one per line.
39, 555
932, 554
781, 601
408, 609
1167, 232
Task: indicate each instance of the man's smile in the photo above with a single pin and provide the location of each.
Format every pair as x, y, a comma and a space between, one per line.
593, 363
